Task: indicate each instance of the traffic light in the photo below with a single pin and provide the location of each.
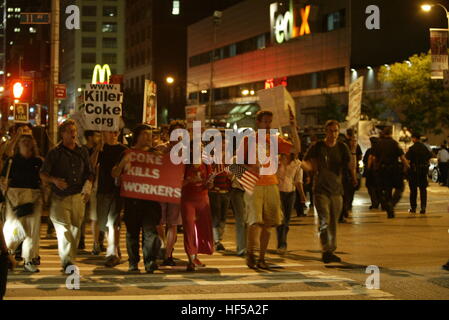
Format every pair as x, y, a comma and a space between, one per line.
17, 90
22, 90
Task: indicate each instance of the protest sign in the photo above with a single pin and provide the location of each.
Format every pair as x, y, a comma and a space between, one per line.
102, 107
355, 102
152, 177
195, 113
21, 112
279, 101
150, 103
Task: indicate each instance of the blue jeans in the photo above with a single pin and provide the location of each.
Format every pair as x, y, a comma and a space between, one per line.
219, 205
287, 201
238, 207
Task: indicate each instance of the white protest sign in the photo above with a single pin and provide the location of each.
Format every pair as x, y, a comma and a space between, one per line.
355, 102
102, 107
279, 101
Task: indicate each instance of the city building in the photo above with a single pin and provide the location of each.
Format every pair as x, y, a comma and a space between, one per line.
314, 48
24, 54
100, 41
156, 48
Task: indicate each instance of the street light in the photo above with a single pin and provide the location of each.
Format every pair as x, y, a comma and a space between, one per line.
428, 7
170, 80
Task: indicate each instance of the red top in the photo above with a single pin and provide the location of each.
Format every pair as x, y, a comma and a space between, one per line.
193, 189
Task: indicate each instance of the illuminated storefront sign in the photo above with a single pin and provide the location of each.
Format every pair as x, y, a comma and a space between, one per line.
284, 26
101, 74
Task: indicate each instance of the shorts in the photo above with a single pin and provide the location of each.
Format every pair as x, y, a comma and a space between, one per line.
264, 206
171, 214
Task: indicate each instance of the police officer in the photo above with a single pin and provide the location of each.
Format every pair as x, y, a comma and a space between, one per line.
419, 157
384, 158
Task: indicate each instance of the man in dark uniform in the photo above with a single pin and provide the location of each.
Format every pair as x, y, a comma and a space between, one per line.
348, 187
385, 160
419, 157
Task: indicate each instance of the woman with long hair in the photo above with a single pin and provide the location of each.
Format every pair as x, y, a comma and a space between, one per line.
21, 183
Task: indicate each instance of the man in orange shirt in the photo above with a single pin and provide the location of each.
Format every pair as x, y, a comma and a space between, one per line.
264, 205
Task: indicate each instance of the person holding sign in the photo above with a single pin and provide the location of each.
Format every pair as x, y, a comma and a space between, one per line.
196, 214
139, 213
171, 212
68, 169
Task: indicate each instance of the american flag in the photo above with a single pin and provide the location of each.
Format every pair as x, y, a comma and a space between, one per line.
246, 178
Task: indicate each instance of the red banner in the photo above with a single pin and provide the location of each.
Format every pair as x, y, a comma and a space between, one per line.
152, 177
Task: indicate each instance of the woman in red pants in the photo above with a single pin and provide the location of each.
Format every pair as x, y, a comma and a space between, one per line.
196, 215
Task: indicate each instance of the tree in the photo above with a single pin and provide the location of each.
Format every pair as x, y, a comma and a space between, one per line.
332, 110
373, 106
423, 103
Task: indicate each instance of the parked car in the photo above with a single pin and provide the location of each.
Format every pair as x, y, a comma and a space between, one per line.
434, 171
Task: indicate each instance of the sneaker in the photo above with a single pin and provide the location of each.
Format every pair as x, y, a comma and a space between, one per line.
151, 267
66, 265
251, 261
446, 266
412, 210
169, 262
133, 267
241, 253
36, 261
82, 245
219, 247
390, 215
30, 267
261, 264
282, 250
423, 211
330, 257
190, 267
112, 261
96, 250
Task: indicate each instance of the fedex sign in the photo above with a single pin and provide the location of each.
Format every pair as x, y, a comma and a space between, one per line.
284, 25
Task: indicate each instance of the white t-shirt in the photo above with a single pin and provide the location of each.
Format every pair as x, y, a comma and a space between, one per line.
289, 175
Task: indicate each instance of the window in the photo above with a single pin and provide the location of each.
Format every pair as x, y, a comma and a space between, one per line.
109, 11
86, 74
89, 57
89, 11
109, 43
88, 42
109, 27
109, 58
261, 42
336, 20
89, 26
176, 8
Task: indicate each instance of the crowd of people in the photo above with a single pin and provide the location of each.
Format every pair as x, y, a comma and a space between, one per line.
81, 184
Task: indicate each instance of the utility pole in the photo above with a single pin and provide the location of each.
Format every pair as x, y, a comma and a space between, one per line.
54, 73
216, 22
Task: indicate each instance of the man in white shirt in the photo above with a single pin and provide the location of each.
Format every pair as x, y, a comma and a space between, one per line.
443, 164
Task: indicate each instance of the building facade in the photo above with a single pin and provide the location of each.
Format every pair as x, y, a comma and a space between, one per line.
314, 48
100, 41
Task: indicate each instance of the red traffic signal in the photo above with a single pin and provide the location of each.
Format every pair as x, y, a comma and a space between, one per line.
17, 90
22, 90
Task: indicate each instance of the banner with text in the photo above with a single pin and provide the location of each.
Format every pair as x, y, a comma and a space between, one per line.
355, 102
152, 177
150, 103
195, 113
438, 46
102, 107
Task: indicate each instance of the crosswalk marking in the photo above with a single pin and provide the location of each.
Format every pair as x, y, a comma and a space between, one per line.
223, 296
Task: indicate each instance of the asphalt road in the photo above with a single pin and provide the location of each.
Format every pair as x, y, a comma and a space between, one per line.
408, 252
